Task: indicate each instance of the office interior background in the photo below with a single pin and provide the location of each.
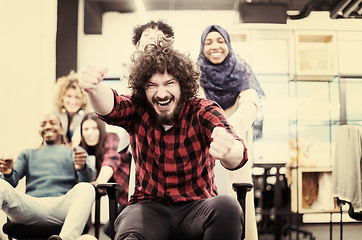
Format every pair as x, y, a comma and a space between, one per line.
309, 69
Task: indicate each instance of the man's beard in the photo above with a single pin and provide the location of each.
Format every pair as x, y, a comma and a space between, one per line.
165, 118
51, 141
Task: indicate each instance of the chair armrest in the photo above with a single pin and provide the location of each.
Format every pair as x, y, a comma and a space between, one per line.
242, 187
110, 187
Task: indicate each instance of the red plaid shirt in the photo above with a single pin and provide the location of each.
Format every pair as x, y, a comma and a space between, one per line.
120, 162
173, 165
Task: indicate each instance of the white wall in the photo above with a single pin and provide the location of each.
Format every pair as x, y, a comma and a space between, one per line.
114, 47
27, 66
27, 72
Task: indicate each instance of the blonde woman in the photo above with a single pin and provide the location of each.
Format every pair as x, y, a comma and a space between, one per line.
71, 105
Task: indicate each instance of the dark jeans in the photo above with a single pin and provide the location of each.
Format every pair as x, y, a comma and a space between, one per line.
213, 218
106, 226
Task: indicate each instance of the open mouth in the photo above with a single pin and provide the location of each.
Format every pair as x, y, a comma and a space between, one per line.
215, 54
163, 105
164, 102
47, 132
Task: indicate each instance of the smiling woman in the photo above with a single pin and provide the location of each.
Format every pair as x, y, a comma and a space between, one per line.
228, 80
71, 105
93, 137
215, 47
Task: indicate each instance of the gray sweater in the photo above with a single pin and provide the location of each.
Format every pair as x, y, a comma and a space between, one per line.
49, 171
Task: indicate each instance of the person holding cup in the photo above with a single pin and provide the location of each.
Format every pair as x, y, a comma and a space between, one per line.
57, 183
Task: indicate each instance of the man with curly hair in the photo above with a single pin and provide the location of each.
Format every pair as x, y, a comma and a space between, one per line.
176, 139
149, 32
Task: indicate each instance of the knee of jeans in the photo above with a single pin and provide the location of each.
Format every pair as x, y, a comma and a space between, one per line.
4, 185
86, 188
227, 205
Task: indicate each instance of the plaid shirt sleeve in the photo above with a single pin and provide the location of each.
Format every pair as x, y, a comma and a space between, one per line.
122, 113
212, 116
120, 162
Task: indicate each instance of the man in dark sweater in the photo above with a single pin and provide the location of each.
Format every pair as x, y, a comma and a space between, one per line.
57, 191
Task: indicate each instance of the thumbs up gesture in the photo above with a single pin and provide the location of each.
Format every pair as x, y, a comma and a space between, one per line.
80, 158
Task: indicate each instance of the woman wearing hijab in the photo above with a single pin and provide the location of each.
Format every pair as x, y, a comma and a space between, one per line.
227, 79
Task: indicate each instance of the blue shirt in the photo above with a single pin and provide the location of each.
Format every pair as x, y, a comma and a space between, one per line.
49, 171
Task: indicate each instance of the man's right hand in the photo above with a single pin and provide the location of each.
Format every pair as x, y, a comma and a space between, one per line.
100, 95
91, 76
6, 165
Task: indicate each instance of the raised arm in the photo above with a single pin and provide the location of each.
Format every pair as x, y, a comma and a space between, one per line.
100, 95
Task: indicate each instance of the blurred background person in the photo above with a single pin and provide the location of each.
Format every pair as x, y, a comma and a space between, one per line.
93, 138
228, 79
71, 105
149, 32
112, 163
57, 188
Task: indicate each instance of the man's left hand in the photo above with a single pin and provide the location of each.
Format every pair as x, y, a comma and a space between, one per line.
80, 158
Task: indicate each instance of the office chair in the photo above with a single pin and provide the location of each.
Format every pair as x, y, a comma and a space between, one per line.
40, 231
113, 189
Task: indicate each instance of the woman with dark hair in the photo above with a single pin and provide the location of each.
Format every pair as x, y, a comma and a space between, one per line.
112, 164
93, 138
228, 79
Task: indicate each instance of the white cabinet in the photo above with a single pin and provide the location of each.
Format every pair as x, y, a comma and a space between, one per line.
350, 52
240, 41
270, 51
315, 55
311, 190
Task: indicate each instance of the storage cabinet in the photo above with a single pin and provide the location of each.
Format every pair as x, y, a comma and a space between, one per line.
349, 52
241, 43
316, 113
316, 55
311, 190
270, 51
